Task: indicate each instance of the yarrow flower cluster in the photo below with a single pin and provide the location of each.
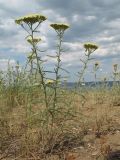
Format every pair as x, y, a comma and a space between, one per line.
59, 27
49, 82
96, 64
31, 18
90, 47
35, 40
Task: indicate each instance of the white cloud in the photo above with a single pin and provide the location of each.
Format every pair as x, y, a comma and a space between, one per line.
90, 18
17, 7
75, 46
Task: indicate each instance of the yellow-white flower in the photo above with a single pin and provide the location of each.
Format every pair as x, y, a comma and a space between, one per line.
34, 40
90, 47
59, 26
50, 81
96, 64
31, 18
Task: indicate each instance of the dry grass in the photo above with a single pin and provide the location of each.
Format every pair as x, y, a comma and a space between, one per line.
84, 129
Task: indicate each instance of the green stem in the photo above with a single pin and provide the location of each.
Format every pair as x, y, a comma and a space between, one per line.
83, 70
60, 36
39, 68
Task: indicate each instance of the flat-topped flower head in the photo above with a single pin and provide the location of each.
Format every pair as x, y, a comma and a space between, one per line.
49, 82
59, 26
31, 18
34, 40
96, 64
90, 47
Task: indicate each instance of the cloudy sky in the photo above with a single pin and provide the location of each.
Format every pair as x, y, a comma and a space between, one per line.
90, 21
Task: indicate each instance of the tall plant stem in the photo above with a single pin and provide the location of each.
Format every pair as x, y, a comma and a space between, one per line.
57, 77
39, 67
84, 69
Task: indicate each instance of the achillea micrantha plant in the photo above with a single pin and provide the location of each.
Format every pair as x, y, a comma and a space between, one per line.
31, 19
95, 69
60, 29
89, 49
31, 23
